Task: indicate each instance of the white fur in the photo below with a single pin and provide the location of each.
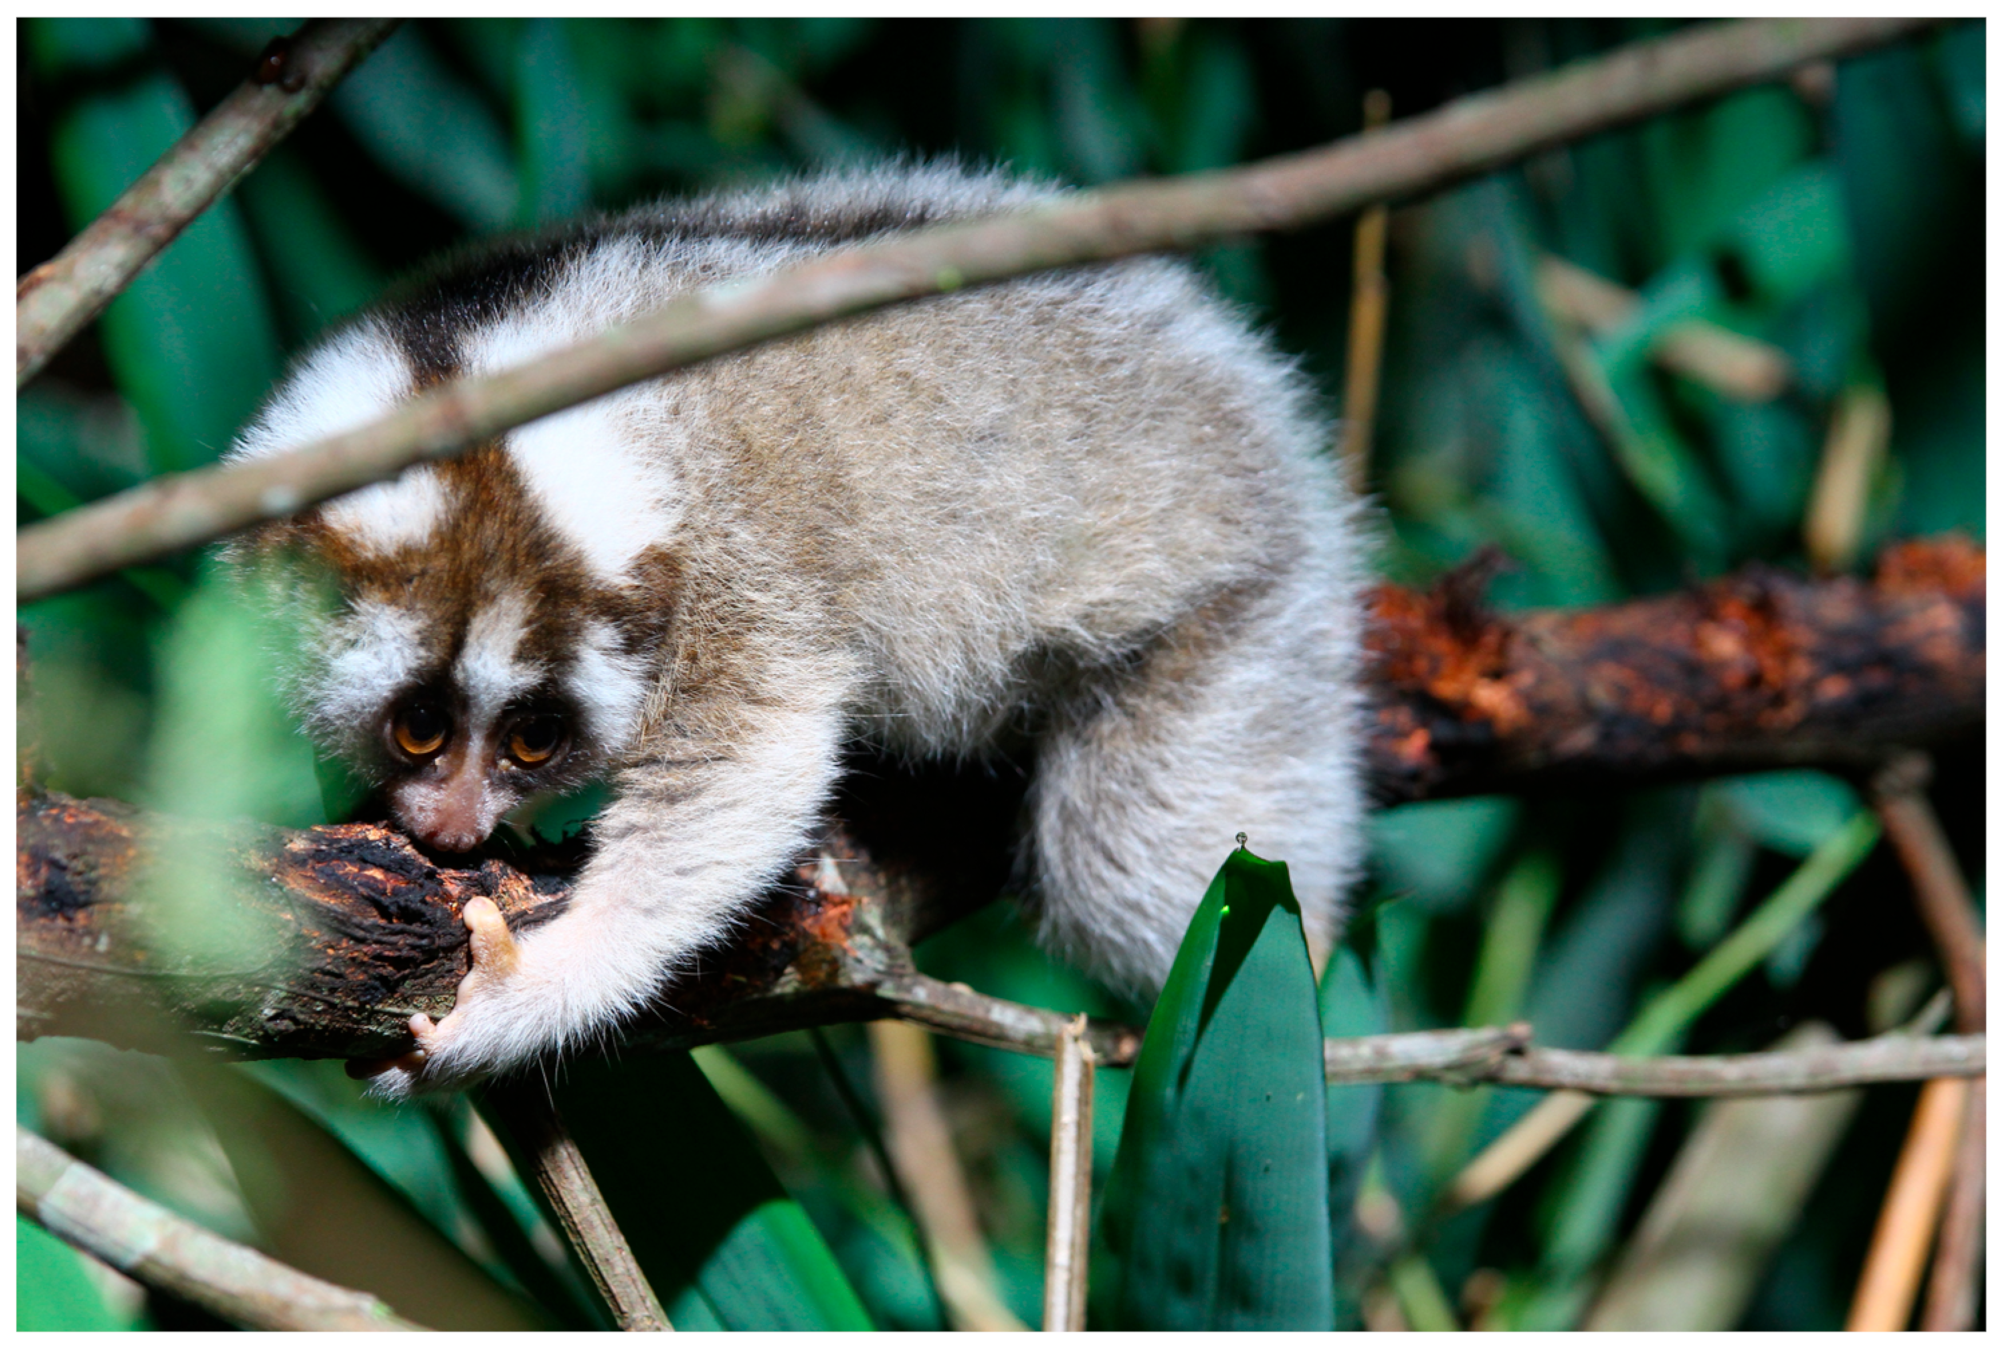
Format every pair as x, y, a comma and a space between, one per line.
609, 686
487, 671
373, 649
356, 377
399, 514
1094, 503
604, 499
594, 469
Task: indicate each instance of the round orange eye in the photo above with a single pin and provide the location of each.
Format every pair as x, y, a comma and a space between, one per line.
420, 729
535, 739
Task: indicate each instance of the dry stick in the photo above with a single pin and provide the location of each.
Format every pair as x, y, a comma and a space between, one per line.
1856, 441
1493, 1056
53, 302
1951, 1303
1731, 364
565, 1180
1945, 904
1671, 1012
1366, 319
920, 1147
1943, 899
1420, 155
1909, 1217
1066, 1278
1498, 1055
151, 1244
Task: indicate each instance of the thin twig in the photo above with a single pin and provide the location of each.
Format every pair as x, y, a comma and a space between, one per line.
1945, 903
1500, 1056
565, 1181
153, 1245
962, 1012
1670, 1013
1367, 318
1908, 1222
1417, 156
1066, 1278
1952, 1301
921, 1150
1729, 363
1856, 441
53, 302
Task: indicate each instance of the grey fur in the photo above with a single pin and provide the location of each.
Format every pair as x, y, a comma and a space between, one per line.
1093, 502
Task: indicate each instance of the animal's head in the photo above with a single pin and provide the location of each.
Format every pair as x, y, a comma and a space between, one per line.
475, 631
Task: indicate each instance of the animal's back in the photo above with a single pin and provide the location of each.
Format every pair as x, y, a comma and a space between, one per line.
1091, 511
997, 484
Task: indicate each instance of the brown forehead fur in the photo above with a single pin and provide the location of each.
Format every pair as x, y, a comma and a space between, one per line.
491, 541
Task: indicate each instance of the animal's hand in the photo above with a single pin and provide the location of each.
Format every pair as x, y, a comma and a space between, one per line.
496, 959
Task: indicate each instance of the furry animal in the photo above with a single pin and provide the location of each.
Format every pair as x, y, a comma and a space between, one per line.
1092, 508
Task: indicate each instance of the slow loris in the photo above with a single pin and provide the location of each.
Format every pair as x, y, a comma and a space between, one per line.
1093, 503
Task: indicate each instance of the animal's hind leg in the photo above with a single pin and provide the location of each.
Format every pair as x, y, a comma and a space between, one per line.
1241, 720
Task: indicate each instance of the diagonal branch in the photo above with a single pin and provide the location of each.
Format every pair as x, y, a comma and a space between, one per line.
151, 1244
53, 302
524, 1111
1421, 155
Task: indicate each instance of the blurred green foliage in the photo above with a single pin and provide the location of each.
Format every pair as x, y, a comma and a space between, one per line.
1838, 221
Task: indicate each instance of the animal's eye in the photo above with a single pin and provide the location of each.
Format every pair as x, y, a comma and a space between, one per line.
420, 729
535, 739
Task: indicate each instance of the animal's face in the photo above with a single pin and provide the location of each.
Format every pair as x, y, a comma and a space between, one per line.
479, 629
463, 680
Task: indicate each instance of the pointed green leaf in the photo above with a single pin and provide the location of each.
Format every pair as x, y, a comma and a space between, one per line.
1217, 1206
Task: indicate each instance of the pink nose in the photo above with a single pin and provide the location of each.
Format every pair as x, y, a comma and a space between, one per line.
451, 841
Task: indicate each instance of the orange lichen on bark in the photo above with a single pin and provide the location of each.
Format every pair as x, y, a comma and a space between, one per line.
1756, 668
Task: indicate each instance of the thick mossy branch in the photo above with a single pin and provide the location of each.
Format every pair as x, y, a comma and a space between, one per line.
323, 942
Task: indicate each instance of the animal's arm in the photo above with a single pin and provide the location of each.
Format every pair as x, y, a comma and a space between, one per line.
703, 819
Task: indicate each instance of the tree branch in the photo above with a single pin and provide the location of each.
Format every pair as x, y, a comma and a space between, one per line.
151, 1244
1757, 669
1421, 155
560, 1173
1495, 1055
372, 935
1945, 903
53, 302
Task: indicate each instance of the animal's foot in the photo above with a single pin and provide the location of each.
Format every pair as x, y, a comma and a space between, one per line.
496, 959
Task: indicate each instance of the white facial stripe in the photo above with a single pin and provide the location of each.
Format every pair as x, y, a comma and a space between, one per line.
375, 648
607, 686
487, 671
593, 486
599, 471
384, 517
355, 378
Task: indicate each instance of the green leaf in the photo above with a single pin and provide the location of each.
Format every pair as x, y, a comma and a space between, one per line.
53, 1292
1790, 810
551, 126
190, 342
431, 130
1217, 1206
1350, 1005
721, 1242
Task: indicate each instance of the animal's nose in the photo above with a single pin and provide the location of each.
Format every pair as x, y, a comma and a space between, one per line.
451, 841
